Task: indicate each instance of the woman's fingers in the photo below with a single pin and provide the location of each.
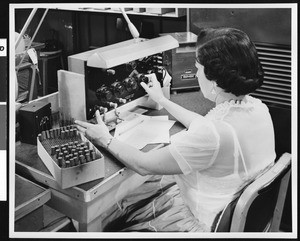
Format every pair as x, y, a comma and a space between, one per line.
83, 123
98, 117
152, 78
146, 87
81, 129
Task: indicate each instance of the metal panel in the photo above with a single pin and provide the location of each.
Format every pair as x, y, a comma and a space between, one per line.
276, 63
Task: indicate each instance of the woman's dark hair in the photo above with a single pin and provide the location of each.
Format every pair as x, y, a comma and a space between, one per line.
229, 57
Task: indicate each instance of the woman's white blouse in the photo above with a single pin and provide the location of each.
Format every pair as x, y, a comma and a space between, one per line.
221, 151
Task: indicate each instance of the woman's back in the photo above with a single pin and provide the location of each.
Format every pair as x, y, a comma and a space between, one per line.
242, 134
248, 124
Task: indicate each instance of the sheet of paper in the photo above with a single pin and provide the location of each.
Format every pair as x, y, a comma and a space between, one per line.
164, 136
131, 121
144, 130
129, 115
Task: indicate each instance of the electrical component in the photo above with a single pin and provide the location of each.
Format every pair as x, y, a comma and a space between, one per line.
116, 86
34, 118
66, 145
113, 74
69, 156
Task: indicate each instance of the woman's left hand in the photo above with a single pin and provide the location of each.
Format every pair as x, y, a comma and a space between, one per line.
97, 133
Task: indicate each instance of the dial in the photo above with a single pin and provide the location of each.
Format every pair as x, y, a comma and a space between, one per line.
142, 78
118, 89
130, 84
104, 94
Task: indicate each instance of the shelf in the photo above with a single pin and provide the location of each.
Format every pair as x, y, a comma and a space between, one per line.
177, 12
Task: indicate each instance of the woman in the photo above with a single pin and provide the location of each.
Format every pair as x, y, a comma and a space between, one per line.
217, 155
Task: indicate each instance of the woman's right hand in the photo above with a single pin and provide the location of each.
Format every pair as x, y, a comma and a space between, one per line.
153, 88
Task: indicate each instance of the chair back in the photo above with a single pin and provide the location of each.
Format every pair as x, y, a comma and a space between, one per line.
260, 204
27, 83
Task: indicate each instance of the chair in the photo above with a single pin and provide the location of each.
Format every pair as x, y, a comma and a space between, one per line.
27, 83
260, 204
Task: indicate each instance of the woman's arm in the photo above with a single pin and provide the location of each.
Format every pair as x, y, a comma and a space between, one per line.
153, 162
183, 115
156, 162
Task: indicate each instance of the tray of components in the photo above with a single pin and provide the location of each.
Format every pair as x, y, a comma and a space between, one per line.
70, 157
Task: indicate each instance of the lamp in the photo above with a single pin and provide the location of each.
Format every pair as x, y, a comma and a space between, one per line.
134, 32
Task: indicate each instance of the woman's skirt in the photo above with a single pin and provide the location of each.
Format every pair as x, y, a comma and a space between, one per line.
156, 206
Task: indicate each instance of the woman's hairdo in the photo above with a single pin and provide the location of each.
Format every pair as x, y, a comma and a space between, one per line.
230, 58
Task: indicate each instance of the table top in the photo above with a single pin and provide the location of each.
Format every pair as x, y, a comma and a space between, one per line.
28, 156
183, 37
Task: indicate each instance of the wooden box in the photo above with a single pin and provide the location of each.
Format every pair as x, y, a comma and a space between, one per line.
71, 175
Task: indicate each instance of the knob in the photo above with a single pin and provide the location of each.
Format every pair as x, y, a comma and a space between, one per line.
121, 100
118, 89
101, 109
130, 84
104, 94
142, 78
112, 104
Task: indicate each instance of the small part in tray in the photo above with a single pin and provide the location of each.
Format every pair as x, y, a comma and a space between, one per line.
67, 148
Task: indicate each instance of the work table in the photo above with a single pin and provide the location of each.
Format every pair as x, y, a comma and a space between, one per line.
87, 202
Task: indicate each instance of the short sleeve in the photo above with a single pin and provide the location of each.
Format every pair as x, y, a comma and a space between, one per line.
197, 148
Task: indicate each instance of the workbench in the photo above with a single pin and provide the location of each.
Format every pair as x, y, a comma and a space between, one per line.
86, 203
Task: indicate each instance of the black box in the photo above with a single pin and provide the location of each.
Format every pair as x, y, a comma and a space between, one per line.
34, 118
180, 62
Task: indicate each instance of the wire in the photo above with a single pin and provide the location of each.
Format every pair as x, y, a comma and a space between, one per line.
152, 226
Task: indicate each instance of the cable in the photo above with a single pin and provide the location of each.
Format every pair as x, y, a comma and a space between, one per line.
152, 226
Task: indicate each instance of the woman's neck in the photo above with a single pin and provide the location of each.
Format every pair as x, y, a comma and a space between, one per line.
222, 97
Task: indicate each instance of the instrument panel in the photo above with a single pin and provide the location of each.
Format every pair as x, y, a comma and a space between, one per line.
106, 89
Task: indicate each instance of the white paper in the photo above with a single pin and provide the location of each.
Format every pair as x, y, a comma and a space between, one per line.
129, 115
164, 136
144, 130
130, 121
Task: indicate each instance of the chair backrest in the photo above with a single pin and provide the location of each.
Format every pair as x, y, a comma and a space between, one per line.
27, 83
260, 204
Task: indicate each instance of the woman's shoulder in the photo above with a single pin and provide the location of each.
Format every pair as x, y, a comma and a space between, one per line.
200, 129
249, 103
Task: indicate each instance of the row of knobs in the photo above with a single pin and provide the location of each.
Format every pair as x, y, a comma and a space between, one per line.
118, 89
